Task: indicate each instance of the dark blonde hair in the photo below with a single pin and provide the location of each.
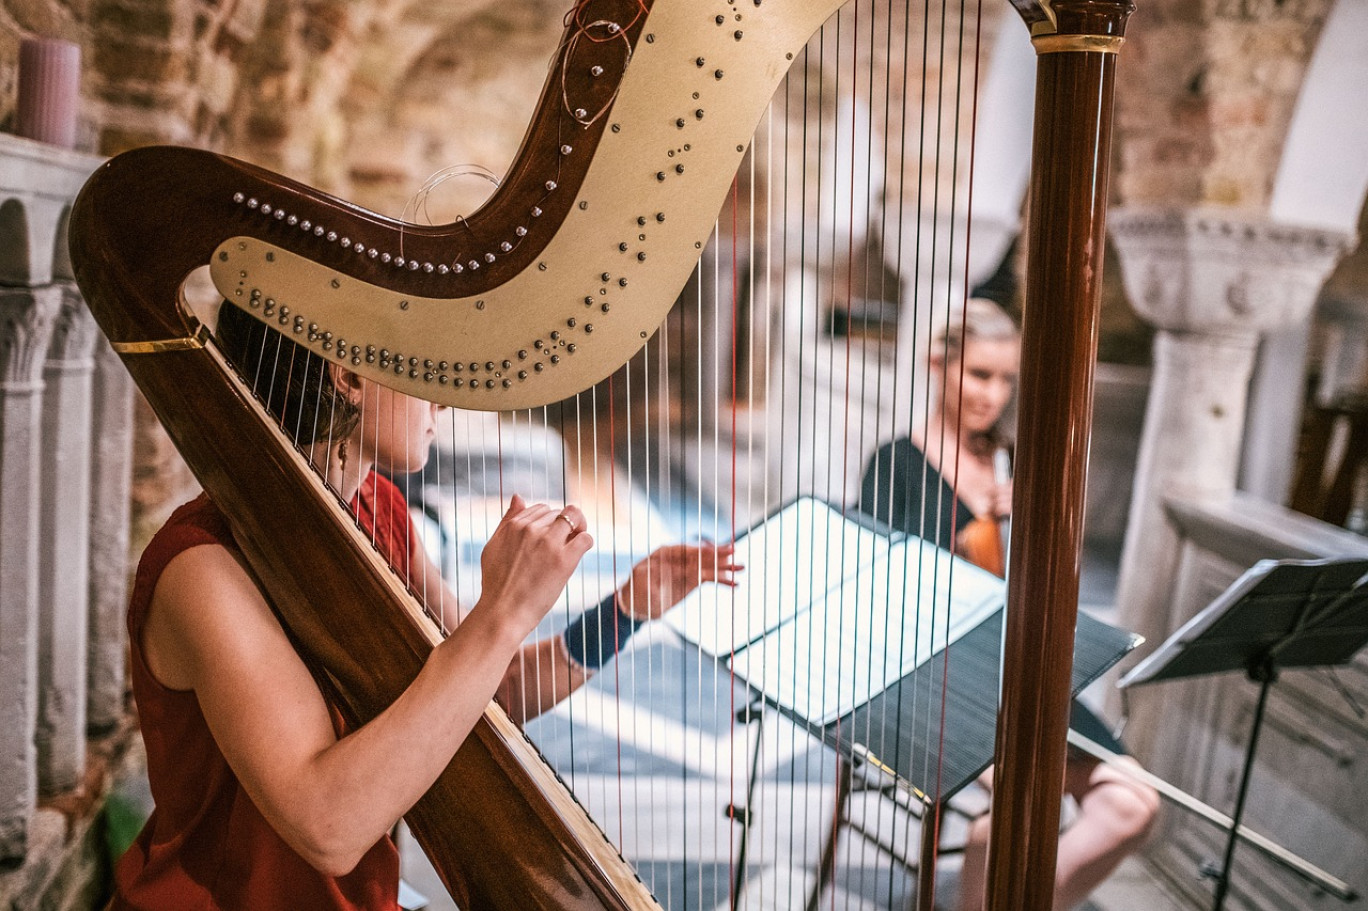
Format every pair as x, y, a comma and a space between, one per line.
980, 320
293, 382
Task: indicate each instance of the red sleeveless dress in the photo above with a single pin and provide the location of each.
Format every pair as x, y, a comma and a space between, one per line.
206, 845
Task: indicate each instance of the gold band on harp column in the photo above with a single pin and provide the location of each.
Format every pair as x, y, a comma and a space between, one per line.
157, 346
1082, 44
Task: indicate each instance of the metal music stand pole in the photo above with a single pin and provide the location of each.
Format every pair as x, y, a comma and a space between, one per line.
1264, 673
752, 713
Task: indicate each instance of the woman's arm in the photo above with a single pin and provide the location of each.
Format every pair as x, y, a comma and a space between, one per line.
210, 630
543, 673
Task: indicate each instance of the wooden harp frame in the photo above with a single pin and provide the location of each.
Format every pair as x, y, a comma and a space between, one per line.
549, 855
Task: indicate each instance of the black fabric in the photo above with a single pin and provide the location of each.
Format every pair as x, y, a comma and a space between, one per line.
599, 633
902, 490
935, 728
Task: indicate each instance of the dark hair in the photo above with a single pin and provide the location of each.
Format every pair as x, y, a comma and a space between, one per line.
293, 382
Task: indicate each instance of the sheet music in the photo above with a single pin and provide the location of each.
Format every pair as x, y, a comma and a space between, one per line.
886, 617
830, 612
791, 557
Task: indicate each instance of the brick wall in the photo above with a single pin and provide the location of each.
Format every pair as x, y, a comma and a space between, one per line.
1205, 97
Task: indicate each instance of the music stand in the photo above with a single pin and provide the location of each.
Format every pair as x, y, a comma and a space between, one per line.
1279, 614
884, 590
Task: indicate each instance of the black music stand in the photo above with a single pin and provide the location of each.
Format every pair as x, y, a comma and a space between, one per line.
1280, 614
950, 691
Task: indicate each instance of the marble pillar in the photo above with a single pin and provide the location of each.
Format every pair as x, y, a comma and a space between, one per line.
26, 320
1213, 283
111, 477
64, 546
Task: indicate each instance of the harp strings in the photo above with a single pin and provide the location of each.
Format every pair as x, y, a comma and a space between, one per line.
798, 349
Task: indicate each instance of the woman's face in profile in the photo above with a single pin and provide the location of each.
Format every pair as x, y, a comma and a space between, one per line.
396, 429
980, 384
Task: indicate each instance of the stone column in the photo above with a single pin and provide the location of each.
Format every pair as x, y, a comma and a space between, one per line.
1276, 394
1213, 282
111, 478
26, 320
63, 547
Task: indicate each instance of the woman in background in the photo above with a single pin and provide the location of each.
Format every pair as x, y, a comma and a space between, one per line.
949, 483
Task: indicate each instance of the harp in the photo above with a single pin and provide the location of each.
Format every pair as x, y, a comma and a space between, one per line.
563, 275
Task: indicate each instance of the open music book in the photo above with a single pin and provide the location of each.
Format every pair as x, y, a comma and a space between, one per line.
832, 611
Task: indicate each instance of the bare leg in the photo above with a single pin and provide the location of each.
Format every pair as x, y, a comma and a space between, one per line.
1115, 814
973, 879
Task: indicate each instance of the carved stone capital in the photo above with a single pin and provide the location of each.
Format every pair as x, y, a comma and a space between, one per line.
73, 333
1221, 272
27, 317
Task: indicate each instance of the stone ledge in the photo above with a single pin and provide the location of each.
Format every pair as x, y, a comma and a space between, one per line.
38, 183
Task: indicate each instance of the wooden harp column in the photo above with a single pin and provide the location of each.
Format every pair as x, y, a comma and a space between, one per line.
1076, 42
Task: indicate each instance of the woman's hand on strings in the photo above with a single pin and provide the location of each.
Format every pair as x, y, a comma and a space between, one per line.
664, 578
529, 559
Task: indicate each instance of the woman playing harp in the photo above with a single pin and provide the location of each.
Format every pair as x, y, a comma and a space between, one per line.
263, 799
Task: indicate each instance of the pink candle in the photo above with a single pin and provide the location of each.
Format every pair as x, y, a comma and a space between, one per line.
49, 90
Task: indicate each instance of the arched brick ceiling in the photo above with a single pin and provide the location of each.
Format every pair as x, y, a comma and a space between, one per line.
366, 98
459, 90
1205, 97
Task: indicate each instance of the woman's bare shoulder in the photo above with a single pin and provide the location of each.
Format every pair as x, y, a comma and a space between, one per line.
205, 606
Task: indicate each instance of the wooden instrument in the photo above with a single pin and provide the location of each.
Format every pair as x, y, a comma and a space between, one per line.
550, 287
984, 541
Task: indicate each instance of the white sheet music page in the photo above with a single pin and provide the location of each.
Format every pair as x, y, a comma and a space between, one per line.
791, 558
890, 612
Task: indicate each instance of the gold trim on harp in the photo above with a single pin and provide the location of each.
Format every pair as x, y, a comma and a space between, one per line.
157, 346
1082, 44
